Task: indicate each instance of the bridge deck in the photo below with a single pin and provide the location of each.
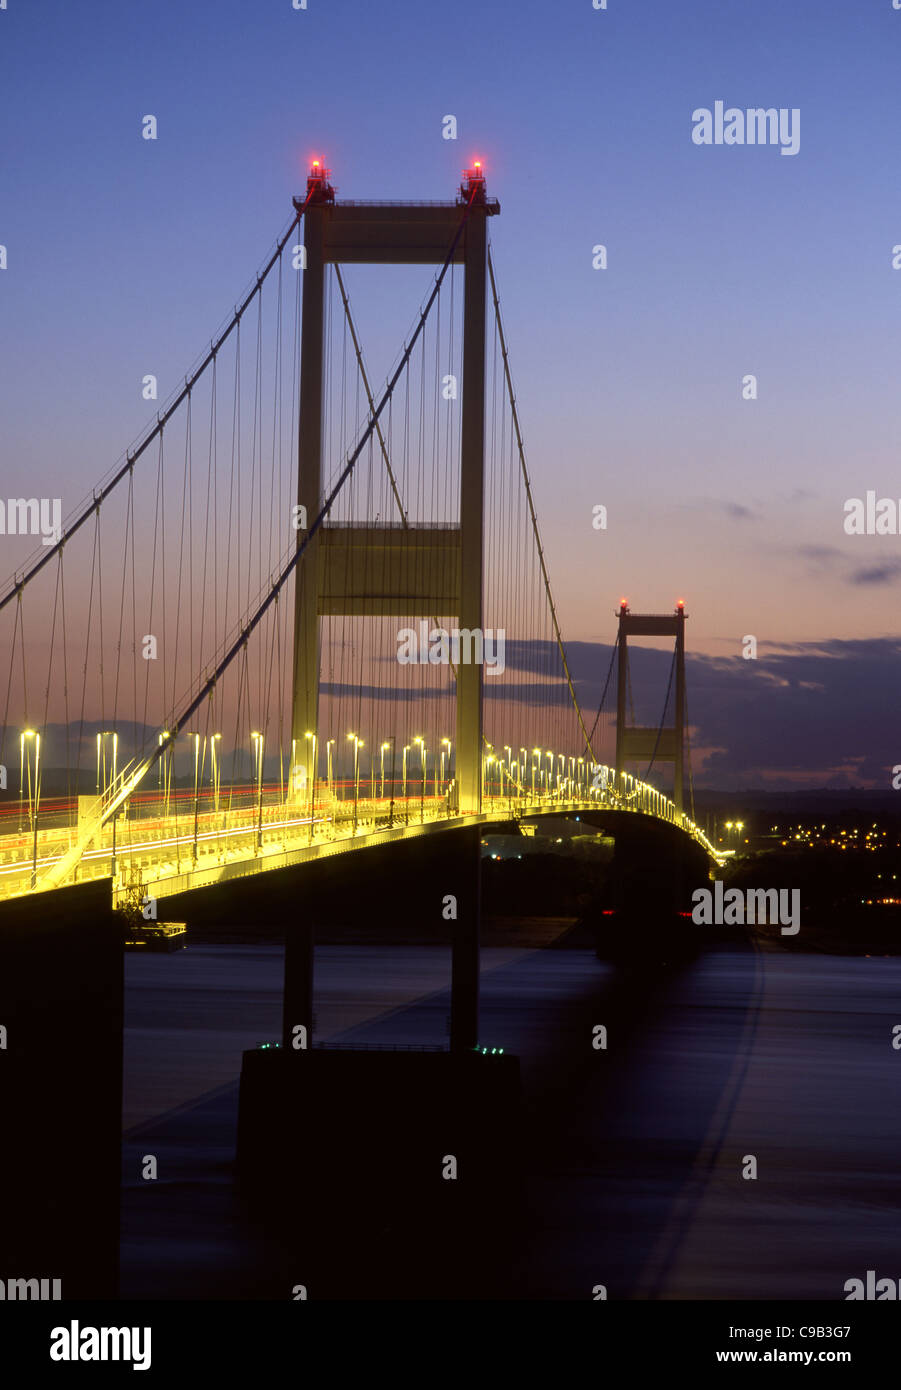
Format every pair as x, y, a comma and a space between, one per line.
169, 854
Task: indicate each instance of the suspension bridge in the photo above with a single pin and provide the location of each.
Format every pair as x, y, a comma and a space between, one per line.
303, 615
307, 615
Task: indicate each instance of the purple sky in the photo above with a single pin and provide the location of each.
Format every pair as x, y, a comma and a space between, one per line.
123, 255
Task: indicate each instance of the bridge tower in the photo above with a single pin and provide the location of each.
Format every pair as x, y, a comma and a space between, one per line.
340, 565
666, 744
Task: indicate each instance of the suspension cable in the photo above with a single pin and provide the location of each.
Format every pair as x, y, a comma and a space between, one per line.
291, 565
669, 686
525, 473
364, 377
691, 784
606, 684
132, 455
129, 780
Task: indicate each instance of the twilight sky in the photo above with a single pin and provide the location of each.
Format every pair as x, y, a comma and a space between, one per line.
125, 254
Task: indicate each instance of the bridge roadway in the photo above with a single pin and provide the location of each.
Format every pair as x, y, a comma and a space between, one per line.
166, 854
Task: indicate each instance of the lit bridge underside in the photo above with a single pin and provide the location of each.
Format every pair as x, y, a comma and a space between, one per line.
162, 855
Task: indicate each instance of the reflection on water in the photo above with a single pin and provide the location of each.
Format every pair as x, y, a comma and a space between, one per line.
634, 1155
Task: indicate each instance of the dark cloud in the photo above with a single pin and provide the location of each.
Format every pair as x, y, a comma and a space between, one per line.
821, 557
820, 554
885, 573
819, 712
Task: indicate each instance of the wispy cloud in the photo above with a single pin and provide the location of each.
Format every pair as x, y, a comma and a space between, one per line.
885, 573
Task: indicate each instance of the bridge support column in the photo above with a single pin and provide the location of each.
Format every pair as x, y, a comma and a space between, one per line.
472, 447
465, 949
666, 744
679, 752
622, 680
298, 993
363, 572
305, 714
61, 1008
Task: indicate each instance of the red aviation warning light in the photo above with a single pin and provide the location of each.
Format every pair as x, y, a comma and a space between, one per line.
473, 181
680, 605
318, 183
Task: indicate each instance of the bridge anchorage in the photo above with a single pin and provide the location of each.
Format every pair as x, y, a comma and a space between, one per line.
223, 715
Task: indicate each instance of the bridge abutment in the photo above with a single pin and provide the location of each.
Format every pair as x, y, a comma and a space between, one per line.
61, 1006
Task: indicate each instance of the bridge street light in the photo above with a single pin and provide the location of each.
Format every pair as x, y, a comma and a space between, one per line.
311, 799
196, 738
421, 741
486, 763
385, 746
257, 739
101, 744
311, 778
328, 760
536, 753
358, 744
404, 774
393, 741
164, 765
29, 733
215, 771
550, 764
34, 792
34, 812
445, 742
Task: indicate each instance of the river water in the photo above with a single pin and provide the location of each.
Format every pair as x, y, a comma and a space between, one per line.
633, 1155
